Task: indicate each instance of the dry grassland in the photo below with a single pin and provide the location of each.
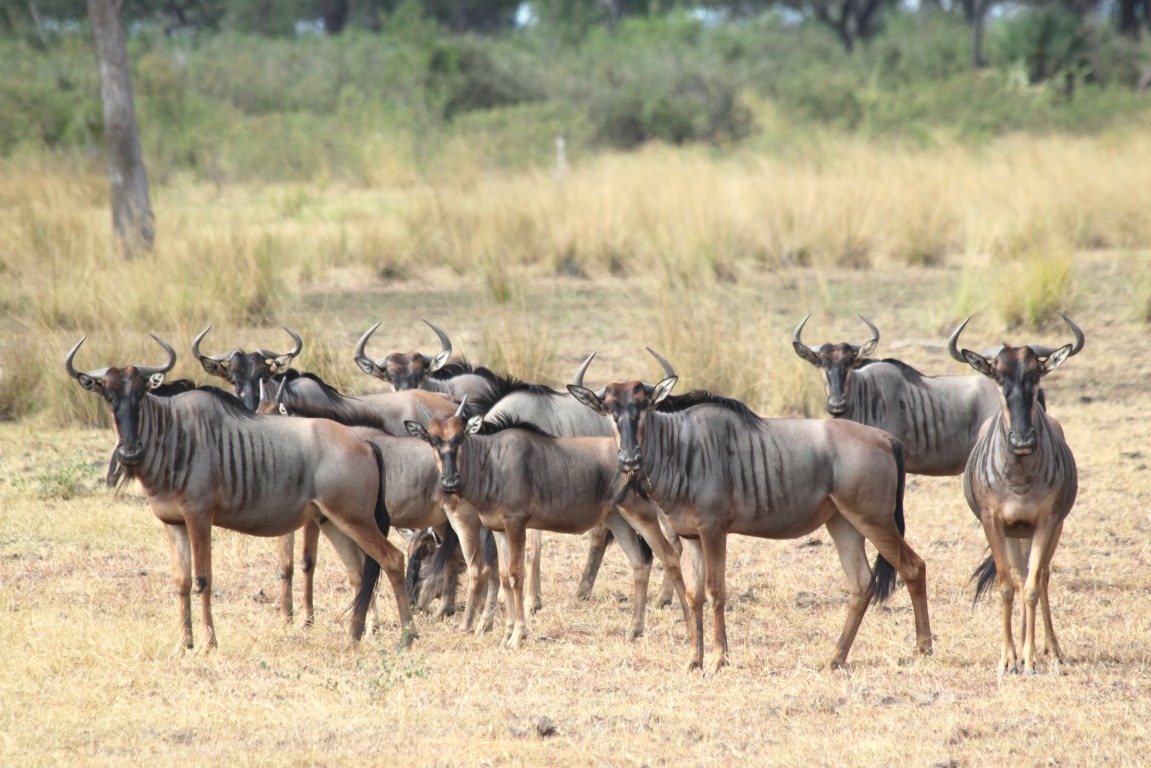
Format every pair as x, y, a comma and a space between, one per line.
93, 675
710, 261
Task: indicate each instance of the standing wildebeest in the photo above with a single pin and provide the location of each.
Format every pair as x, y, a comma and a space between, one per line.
937, 418
1021, 483
251, 374
412, 479
559, 414
518, 477
715, 468
415, 370
204, 460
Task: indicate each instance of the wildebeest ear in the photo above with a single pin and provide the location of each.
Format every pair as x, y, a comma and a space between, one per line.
805, 352
155, 380
369, 367
89, 383
214, 367
979, 363
279, 364
661, 390
415, 429
1056, 359
586, 397
866, 349
437, 362
475, 423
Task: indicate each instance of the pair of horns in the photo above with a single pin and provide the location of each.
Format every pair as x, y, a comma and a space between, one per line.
145, 370
1040, 350
795, 337
299, 346
445, 342
668, 371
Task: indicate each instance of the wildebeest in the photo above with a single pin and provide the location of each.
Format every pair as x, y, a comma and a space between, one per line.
561, 415
937, 418
518, 477
1021, 483
411, 474
251, 375
415, 370
204, 460
716, 468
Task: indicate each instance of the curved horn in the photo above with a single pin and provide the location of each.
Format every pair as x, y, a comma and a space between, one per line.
445, 342
795, 337
874, 340
152, 370
1042, 350
668, 371
199, 355
953, 342
296, 338
76, 374
460, 411
363, 342
578, 380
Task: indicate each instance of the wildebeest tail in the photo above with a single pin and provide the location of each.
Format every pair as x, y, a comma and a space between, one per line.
984, 576
488, 543
371, 575
883, 576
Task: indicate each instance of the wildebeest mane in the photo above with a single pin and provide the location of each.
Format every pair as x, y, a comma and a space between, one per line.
500, 385
910, 375
455, 367
507, 421
228, 403
176, 387
290, 375
677, 403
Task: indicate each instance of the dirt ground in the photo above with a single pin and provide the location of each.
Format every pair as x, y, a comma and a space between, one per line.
93, 674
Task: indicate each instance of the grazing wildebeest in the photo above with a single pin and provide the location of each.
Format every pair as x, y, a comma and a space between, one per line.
937, 418
251, 374
415, 370
204, 460
412, 477
517, 477
716, 468
1021, 483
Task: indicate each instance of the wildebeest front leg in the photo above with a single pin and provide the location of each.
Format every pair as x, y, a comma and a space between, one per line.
1043, 544
308, 563
516, 536
1050, 643
182, 574
853, 558
200, 538
694, 581
598, 539
714, 545
466, 524
997, 540
287, 554
535, 545
640, 569
645, 518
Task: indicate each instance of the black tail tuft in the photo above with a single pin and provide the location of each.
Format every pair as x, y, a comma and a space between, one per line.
883, 576
984, 577
371, 575
488, 542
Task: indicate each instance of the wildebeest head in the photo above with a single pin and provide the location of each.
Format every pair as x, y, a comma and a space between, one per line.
836, 363
403, 371
1017, 371
627, 404
248, 371
447, 438
123, 389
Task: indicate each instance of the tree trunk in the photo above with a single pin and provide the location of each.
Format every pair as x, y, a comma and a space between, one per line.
128, 179
978, 19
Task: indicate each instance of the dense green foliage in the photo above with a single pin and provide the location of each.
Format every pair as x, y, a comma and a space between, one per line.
227, 105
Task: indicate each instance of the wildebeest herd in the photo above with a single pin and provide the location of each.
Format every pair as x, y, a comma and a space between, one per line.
480, 458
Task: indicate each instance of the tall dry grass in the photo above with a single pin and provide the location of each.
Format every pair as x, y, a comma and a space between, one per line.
692, 228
